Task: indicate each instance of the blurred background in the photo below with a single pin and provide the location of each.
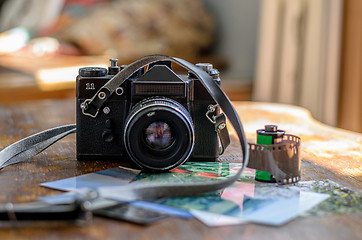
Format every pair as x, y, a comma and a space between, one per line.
302, 52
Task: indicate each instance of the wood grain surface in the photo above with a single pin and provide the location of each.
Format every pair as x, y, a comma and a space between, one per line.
326, 153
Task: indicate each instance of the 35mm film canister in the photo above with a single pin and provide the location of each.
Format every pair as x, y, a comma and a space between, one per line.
268, 136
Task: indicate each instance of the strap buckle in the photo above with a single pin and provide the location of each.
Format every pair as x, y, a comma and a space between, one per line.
85, 105
211, 109
219, 122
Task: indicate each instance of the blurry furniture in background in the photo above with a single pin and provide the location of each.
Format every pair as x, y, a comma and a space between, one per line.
350, 103
46, 57
30, 14
19, 86
35, 78
131, 29
125, 29
236, 38
299, 54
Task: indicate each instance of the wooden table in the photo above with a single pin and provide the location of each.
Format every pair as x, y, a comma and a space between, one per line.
326, 153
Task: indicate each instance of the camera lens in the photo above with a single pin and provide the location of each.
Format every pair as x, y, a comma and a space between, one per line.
159, 134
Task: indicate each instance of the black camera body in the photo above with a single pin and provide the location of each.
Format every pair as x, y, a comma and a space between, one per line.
156, 118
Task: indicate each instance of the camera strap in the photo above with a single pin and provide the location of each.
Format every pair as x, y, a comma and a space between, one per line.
30, 146
27, 148
91, 107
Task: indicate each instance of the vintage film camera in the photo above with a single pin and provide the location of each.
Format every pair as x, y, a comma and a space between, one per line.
156, 118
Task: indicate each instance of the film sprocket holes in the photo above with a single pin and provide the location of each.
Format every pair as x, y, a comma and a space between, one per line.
277, 158
156, 118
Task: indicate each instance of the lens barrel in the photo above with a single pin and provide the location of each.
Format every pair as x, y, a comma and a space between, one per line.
159, 134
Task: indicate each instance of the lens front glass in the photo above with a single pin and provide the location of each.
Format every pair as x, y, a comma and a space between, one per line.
158, 135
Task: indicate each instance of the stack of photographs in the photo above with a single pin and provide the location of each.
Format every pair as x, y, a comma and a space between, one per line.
244, 201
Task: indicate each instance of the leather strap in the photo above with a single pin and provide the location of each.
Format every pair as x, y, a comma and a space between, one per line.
42, 211
222, 132
26, 148
77, 211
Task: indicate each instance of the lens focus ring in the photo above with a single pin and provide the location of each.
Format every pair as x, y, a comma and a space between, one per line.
159, 134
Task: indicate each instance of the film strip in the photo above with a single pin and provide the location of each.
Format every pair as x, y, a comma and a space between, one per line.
281, 160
